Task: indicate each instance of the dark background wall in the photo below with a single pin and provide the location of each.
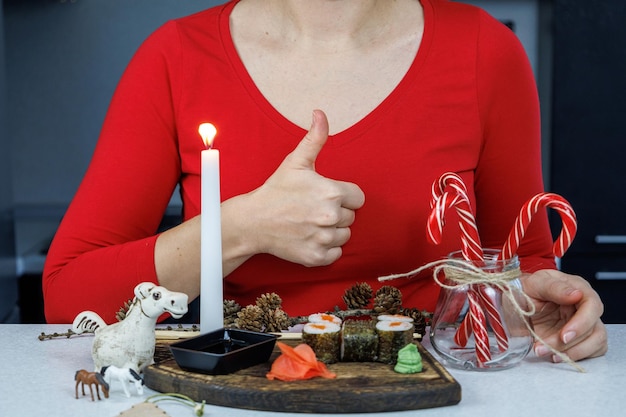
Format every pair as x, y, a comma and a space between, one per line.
7, 246
589, 140
64, 59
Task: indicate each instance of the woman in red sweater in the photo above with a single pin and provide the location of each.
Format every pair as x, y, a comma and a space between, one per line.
312, 201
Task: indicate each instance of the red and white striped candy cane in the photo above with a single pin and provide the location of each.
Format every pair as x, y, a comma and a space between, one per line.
479, 327
441, 201
528, 210
495, 320
465, 329
448, 179
436, 219
471, 248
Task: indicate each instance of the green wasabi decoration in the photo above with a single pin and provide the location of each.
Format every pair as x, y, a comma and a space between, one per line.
409, 360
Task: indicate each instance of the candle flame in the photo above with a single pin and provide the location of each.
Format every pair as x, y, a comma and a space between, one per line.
207, 132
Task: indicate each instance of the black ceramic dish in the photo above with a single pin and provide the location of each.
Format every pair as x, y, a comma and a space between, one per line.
223, 351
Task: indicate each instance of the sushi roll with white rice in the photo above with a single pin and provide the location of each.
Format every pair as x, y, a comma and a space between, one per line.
324, 318
395, 317
392, 336
324, 339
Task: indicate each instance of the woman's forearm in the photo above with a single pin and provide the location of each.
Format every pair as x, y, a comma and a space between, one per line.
177, 251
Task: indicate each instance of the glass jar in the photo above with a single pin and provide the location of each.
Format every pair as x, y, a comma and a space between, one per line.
467, 309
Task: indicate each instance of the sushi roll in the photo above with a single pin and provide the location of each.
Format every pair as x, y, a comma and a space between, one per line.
359, 340
324, 339
395, 317
324, 318
392, 336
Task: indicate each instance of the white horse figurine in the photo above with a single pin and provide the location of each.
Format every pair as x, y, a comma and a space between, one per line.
124, 375
130, 342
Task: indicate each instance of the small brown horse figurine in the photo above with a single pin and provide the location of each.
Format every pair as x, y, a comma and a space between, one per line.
91, 378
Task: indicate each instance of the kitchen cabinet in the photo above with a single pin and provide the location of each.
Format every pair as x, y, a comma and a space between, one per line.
588, 165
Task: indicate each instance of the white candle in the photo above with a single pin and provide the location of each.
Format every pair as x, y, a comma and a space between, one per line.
211, 286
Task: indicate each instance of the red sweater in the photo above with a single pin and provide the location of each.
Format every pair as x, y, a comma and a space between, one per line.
468, 104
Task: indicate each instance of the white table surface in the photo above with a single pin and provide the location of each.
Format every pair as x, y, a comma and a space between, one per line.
37, 379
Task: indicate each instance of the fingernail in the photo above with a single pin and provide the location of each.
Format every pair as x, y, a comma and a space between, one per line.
314, 117
541, 350
557, 359
569, 336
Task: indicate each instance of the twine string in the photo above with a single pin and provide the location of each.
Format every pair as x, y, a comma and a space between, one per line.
460, 273
198, 408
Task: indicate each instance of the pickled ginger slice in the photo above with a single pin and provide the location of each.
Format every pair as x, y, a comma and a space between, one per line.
297, 364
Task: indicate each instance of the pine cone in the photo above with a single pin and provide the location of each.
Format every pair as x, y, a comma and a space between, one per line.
388, 300
276, 320
358, 296
231, 308
419, 321
269, 301
250, 318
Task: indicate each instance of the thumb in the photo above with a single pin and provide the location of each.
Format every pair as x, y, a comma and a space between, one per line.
549, 285
305, 154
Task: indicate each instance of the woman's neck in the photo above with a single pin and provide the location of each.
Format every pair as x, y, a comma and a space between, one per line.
342, 56
332, 25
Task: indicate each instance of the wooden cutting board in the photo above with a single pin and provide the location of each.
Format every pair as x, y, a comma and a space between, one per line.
360, 387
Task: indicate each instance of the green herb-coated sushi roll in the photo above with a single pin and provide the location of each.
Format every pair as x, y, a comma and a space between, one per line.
392, 336
359, 340
324, 339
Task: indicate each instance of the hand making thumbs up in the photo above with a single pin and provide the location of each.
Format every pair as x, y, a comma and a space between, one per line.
297, 214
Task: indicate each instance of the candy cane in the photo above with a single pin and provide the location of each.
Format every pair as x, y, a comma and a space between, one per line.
471, 248
441, 201
475, 322
481, 338
528, 210
489, 304
465, 328
464, 331
434, 226
448, 179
